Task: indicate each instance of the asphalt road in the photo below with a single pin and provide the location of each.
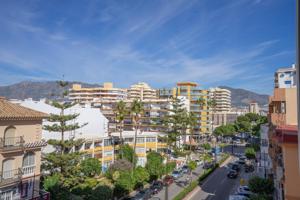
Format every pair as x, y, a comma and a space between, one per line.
217, 186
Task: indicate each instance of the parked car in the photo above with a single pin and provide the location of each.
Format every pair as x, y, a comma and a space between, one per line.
185, 169
249, 168
235, 167
199, 162
143, 195
237, 197
232, 174
176, 174
156, 187
244, 189
208, 165
168, 180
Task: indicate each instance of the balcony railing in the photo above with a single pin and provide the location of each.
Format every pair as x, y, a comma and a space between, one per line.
11, 143
28, 170
10, 176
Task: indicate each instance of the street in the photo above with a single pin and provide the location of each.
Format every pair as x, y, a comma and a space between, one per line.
179, 184
217, 186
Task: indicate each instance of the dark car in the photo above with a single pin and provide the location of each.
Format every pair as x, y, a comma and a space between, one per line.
185, 169
232, 174
249, 168
168, 180
156, 187
235, 167
208, 165
143, 195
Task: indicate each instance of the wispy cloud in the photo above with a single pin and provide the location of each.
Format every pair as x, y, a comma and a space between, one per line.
160, 42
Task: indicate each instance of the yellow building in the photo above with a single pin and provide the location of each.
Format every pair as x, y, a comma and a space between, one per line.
192, 92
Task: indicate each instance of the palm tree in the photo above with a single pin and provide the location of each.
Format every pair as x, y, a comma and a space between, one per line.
211, 103
192, 119
121, 112
136, 111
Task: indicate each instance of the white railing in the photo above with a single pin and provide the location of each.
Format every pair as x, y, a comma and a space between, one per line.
28, 170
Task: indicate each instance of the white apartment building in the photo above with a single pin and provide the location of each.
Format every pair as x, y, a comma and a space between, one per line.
286, 77
141, 91
94, 130
222, 98
96, 94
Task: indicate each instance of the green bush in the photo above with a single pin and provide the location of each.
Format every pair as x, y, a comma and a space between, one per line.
154, 165
169, 167
250, 153
261, 186
90, 167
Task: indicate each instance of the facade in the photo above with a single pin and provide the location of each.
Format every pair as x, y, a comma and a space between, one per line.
222, 98
20, 151
283, 148
223, 118
253, 107
141, 91
192, 92
101, 136
96, 94
265, 162
286, 77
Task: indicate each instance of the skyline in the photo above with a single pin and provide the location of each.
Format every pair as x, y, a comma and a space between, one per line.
237, 44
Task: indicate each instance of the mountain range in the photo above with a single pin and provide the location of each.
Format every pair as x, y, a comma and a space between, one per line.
50, 89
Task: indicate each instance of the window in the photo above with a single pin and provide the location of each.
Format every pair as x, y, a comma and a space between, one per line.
87, 146
128, 140
151, 139
288, 82
140, 150
140, 140
107, 142
29, 159
107, 153
7, 169
9, 136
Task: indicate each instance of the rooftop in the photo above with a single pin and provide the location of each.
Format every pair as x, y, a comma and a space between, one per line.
10, 110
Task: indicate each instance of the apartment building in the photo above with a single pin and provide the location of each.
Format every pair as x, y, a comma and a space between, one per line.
286, 77
101, 136
96, 94
20, 152
141, 91
192, 92
283, 148
253, 107
222, 98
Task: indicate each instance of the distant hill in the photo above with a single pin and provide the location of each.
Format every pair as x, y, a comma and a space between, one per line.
242, 97
35, 90
50, 89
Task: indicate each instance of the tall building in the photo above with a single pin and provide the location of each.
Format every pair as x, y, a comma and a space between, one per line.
283, 148
222, 98
141, 91
192, 92
286, 77
20, 151
96, 94
253, 107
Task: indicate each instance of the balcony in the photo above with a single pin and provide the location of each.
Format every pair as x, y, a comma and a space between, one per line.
9, 144
10, 176
28, 170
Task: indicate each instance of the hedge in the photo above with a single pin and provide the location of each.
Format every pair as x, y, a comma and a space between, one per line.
195, 183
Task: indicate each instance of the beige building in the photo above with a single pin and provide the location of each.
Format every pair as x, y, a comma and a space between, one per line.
284, 143
96, 94
253, 107
141, 91
20, 151
222, 98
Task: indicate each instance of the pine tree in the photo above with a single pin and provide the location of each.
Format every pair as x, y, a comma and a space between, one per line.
63, 160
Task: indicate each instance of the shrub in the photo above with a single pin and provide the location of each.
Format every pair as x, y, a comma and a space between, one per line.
154, 165
126, 152
90, 167
261, 186
250, 153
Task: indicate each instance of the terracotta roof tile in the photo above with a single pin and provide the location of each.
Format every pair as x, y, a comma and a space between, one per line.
10, 110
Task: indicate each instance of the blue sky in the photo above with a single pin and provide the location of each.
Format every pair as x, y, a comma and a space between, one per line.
234, 43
